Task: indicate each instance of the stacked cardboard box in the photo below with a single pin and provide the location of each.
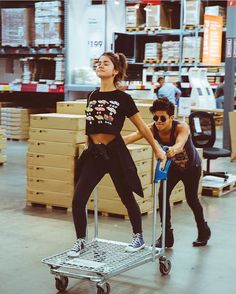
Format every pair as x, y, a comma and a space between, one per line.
3, 145
48, 23
109, 200
216, 10
170, 50
52, 152
134, 17
17, 26
152, 51
192, 48
193, 13
15, 121
156, 16
72, 107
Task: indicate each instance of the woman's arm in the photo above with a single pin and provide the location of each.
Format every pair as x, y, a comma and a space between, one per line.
145, 132
182, 134
133, 137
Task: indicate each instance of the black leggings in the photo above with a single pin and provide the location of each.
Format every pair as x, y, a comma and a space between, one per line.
190, 179
93, 170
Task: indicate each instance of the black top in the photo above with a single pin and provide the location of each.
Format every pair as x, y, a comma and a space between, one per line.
184, 160
106, 111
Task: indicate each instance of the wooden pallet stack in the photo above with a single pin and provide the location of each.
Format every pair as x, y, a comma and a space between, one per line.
52, 152
3, 145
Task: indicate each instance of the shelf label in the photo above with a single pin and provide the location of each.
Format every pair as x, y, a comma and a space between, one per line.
234, 52
212, 41
184, 106
42, 88
229, 48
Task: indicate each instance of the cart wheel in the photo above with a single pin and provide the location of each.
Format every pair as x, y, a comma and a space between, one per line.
61, 283
164, 266
102, 291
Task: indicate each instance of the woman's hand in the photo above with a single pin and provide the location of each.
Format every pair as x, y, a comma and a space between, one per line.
159, 154
170, 152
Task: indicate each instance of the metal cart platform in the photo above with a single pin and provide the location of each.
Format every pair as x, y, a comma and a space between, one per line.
103, 259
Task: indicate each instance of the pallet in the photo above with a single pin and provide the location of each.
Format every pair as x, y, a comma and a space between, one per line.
41, 46
190, 60
151, 60
48, 206
134, 29
117, 215
170, 60
192, 27
153, 29
216, 187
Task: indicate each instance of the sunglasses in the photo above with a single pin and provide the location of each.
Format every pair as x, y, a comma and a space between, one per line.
161, 117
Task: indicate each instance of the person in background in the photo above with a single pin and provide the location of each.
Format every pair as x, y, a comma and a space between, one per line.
167, 90
106, 111
219, 95
185, 166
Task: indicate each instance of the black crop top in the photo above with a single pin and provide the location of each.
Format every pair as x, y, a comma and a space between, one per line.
106, 111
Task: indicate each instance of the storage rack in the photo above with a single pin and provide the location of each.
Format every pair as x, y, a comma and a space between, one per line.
177, 33
37, 94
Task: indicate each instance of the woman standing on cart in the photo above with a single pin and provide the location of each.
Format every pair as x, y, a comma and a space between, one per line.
185, 166
106, 111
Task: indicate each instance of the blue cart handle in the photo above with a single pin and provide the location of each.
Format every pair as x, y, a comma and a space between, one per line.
161, 173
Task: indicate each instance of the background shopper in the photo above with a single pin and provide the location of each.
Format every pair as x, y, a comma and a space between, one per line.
168, 90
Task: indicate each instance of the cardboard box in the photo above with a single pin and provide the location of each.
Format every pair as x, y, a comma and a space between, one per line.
49, 198
54, 135
52, 160
54, 173
156, 16
17, 26
72, 107
117, 207
145, 178
105, 192
193, 12
134, 17
49, 185
129, 126
139, 152
58, 121
59, 148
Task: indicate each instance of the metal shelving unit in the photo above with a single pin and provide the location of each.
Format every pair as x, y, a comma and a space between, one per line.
179, 33
13, 90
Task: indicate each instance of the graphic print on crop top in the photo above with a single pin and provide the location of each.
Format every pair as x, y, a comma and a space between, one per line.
106, 111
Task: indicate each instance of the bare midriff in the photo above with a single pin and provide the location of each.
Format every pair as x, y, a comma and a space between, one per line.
102, 138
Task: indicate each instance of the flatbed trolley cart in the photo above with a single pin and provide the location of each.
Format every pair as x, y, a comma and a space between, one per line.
102, 259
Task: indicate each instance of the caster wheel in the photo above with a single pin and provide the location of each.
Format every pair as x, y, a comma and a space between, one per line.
61, 283
164, 266
101, 290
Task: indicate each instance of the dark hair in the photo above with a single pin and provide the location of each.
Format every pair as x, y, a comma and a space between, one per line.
160, 79
163, 104
120, 64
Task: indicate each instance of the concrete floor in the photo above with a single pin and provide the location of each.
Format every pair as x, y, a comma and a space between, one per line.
29, 234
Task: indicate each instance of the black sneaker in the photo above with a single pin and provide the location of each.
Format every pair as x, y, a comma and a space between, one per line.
169, 241
204, 234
